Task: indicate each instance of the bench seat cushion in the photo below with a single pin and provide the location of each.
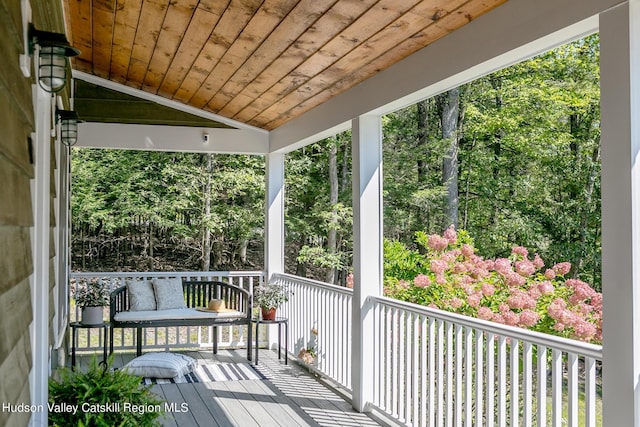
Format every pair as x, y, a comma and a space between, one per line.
176, 313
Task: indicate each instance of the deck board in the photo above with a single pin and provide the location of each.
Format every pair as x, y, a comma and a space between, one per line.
289, 396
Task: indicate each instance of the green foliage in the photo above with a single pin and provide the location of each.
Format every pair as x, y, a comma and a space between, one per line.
529, 161
137, 204
101, 385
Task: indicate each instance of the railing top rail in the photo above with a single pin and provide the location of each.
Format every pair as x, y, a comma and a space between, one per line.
167, 273
551, 341
314, 283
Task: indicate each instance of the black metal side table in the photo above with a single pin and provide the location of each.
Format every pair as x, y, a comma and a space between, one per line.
280, 321
74, 329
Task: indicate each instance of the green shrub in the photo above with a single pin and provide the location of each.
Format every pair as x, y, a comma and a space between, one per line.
101, 397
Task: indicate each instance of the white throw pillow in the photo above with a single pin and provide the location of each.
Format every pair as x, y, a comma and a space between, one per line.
169, 293
141, 295
161, 365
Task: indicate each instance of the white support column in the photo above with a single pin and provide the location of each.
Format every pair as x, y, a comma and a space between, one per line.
274, 215
620, 107
274, 226
41, 192
62, 235
367, 251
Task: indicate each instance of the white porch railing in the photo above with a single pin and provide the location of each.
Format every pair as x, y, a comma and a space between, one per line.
317, 306
434, 368
166, 337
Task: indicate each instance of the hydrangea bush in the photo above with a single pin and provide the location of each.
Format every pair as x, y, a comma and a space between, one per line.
519, 290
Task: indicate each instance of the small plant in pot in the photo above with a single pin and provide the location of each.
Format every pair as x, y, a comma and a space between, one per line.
91, 297
269, 297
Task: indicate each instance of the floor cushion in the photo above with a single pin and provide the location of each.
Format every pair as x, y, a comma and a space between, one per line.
161, 365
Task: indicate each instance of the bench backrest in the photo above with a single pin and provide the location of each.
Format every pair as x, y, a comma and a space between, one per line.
196, 294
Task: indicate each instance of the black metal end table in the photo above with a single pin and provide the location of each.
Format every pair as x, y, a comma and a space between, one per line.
74, 328
280, 321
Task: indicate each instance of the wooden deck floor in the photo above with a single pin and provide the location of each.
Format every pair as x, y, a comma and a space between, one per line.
290, 396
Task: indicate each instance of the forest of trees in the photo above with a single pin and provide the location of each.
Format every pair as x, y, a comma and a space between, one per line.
512, 158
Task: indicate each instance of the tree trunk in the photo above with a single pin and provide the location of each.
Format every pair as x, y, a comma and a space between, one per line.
150, 238
448, 108
496, 84
422, 119
206, 231
345, 182
584, 215
333, 201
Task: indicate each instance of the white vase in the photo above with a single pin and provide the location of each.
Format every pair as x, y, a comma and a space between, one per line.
92, 315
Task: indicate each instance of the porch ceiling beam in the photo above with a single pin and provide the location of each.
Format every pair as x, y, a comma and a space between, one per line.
508, 34
171, 138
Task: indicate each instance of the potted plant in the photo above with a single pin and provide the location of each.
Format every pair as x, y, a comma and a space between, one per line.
269, 297
91, 297
98, 395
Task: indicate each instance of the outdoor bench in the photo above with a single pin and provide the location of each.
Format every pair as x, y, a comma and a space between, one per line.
192, 312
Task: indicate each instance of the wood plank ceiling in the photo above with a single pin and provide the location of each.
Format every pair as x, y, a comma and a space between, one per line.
258, 62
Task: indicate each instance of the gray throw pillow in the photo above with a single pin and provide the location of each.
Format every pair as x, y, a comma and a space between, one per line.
141, 295
169, 293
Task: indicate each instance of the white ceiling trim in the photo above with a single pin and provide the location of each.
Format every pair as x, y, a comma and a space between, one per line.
90, 78
171, 138
514, 31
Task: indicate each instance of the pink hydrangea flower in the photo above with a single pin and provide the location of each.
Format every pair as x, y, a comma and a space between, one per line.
438, 266
511, 318
559, 326
525, 268
451, 235
545, 287
422, 281
515, 280
467, 250
488, 289
583, 330
556, 308
450, 256
455, 302
538, 262
562, 268
459, 268
581, 289
479, 273
516, 299
437, 243
550, 274
520, 250
534, 292
529, 318
474, 299
503, 266
485, 313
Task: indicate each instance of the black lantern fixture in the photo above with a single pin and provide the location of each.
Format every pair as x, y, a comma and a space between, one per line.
68, 120
52, 58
